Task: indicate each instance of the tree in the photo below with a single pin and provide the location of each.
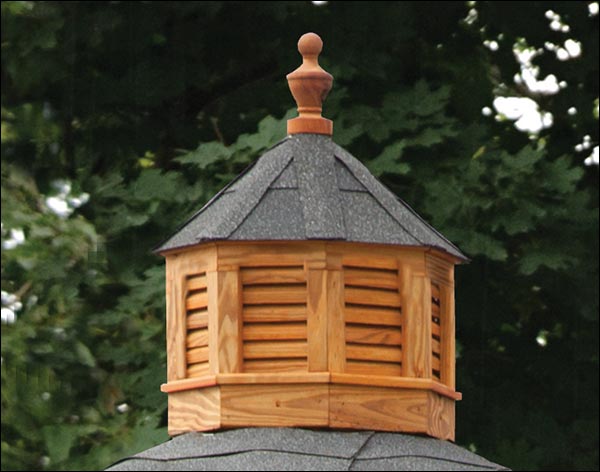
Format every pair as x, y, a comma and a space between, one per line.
119, 119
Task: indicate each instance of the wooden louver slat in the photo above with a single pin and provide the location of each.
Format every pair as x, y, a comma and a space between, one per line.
196, 304
274, 313
274, 294
373, 318
373, 368
436, 332
362, 334
274, 330
197, 319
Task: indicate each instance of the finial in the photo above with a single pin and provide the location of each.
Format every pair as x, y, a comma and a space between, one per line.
310, 84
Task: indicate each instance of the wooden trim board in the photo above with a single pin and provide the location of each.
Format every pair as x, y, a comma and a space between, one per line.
312, 405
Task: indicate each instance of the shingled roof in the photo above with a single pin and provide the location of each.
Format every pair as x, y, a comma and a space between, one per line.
302, 449
306, 188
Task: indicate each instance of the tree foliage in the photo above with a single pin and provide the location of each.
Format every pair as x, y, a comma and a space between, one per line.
149, 108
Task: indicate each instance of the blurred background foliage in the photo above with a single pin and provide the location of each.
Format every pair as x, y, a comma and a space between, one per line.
119, 119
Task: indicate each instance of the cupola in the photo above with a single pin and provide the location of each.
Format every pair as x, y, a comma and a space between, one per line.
306, 294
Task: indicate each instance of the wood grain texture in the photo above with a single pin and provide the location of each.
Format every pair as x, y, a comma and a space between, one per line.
197, 319
273, 331
225, 321
198, 370
373, 368
309, 85
274, 405
274, 378
195, 260
196, 300
368, 305
194, 410
176, 319
196, 282
364, 334
197, 338
272, 275
441, 416
439, 269
435, 345
316, 312
256, 254
198, 354
372, 352
448, 339
362, 259
274, 294
436, 330
213, 321
417, 330
274, 349
378, 408
372, 297
373, 315
435, 363
371, 379
336, 342
362, 277
189, 384
278, 253
274, 313
276, 365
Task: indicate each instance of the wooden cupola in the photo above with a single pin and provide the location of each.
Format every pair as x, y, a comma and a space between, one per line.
305, 293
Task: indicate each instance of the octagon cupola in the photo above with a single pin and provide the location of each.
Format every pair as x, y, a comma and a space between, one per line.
305, 293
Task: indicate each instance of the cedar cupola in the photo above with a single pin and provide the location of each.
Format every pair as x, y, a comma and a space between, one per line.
305, 293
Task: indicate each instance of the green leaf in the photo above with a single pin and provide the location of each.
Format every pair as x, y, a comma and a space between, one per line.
475, 243
152, 184
206, 154
532, 261
59, 440
387, 161
84, 355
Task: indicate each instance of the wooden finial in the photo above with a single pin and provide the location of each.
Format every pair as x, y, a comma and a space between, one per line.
310, 84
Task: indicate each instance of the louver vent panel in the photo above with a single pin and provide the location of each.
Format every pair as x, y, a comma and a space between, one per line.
274, 319
196, 303
436, 329
373, 317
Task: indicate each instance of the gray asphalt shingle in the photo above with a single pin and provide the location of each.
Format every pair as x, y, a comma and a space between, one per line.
307, 187
304, 449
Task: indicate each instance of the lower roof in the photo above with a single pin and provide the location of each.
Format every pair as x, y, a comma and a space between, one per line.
304, 449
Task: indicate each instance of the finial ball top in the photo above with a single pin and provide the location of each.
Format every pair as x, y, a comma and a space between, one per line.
310, 44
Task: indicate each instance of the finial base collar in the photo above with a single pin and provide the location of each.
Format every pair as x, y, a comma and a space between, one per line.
304, 124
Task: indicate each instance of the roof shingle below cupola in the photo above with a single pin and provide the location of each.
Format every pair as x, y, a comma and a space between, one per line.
302, 449
308, 188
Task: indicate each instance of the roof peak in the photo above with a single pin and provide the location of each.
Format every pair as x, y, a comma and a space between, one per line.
309, 85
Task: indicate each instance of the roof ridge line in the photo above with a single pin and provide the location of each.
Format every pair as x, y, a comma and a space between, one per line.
215, 197
265, 190
238, 178
241, 451
358, 451
318, 191
345, 155
377, 200
430, 226
352, 459
424, 456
